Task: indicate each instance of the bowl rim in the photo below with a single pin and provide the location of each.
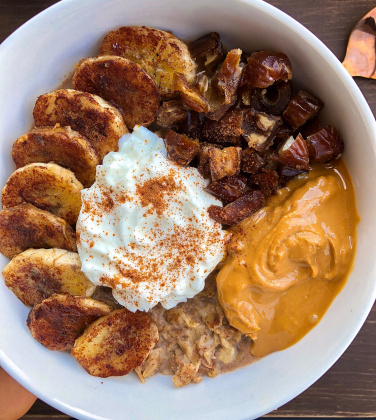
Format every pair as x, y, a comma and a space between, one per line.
8, 365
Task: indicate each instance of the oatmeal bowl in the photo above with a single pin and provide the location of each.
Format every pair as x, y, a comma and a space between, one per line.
187, 208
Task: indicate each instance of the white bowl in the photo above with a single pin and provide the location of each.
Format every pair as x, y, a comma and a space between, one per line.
37, 57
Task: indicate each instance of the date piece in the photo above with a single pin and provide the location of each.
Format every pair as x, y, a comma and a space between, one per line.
259, 129
251, 161
217, 104
267, 181
325, 145
227, 130
192, 125
180, 148
204, 157
228, 76
228, 189
190, 94
311, 127
221, 93
302, 108
283, 133
286, 173
171, 114
224, 162
208, 51
264, 68
293, 153
202, 82
239, 209
273, 100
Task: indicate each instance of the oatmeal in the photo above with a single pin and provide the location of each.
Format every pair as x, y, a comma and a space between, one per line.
195, 339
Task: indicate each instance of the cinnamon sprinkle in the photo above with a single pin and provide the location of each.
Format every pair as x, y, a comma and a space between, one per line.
152, 193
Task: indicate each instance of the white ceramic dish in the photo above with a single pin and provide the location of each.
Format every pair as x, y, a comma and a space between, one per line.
37, 57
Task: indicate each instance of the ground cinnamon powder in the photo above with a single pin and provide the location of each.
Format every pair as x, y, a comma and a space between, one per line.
153, 192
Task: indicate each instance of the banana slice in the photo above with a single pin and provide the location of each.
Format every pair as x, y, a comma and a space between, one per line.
122, 83
159, 53
94, 118
59, 320
116, 344
25, 226
47, 186
61, 145
36, 274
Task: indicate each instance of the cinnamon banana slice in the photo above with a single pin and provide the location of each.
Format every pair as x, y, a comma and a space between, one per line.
90, 115
159, 53
47, 186
25, 226
60, 319
116, 344
122, 83
36, 274
61, 145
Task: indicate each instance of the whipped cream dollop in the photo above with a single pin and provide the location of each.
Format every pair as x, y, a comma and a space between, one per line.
144, 229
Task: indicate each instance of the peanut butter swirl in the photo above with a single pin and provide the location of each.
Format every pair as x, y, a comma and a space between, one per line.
288, 261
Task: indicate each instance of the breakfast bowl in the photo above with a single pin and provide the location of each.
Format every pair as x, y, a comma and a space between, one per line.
38, 57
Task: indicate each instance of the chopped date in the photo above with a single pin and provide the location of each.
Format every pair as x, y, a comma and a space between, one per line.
203, 166
224, 162
214, 58
264, 68
251, 161
202, 82
286, 173
238, 210
293, 153
225, 131
228, 189
200, 46
221, 94
267, 181
310, 127
190, 95
325, 145
217, 104
171, 114
239, 100
273, 100
229, 75
208, 51
282, 134
259, 129
180, 148
245, 94
192, 125
302, 108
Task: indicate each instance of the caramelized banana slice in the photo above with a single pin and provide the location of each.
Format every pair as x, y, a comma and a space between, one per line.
90, 115
36, 274
25, 226
159, 53
116, 344
47, 186
122, 83
61, 145
59, 320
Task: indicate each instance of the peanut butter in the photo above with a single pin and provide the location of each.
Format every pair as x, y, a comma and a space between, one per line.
288, 261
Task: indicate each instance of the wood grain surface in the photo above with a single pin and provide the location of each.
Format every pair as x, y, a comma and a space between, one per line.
348, 389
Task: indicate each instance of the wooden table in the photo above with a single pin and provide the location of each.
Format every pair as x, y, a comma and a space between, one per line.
348, 389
